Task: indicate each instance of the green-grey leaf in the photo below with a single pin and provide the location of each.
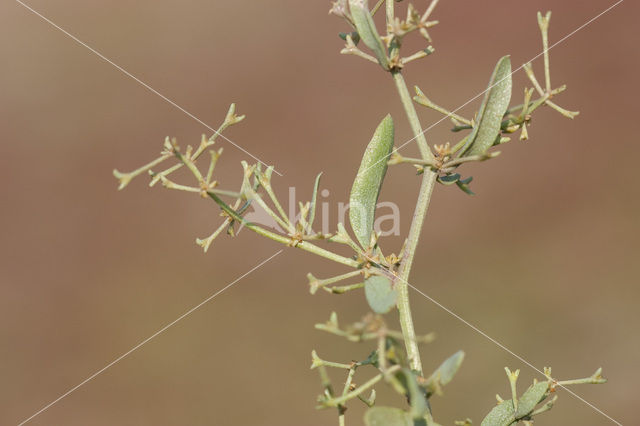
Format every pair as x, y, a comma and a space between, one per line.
464, 186
532, 397
372, 359
366, 186
314, 197
380, 293
387, 416
419, 405
367, 30
495, 104
501, 415
445, 373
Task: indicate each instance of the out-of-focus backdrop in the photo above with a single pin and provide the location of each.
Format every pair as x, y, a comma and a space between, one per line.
544, 258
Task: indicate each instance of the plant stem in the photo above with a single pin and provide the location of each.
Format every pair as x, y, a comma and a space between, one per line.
406, 321
390, 9
366, 385
412, 115
424, 197
304, 245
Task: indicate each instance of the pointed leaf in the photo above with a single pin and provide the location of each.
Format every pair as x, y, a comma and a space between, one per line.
464, 186
417, 397
492, 110
445, 373
532, 397
501, 415
367, 30
314, 197
387, 416
368, 181
380, 294
372, 359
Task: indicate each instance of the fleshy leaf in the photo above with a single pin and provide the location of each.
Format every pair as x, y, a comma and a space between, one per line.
463, 184
501, 415
372, 359
450, 178
492, 110
314, 197
367, 30
387, 416
368, 181
417, 397
445, 373
380, 293
532, 397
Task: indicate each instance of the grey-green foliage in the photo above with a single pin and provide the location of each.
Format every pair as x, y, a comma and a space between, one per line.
387, 416
380, 293
492, 110
368, 182
505, 414
445, 373
395, 358
314, 198
367, 30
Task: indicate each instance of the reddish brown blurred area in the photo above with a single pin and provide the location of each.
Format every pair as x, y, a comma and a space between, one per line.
543, 258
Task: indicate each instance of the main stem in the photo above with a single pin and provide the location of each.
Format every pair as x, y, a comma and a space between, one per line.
424, 197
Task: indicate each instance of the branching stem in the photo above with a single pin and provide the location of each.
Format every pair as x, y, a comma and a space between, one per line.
424, 197
304, 245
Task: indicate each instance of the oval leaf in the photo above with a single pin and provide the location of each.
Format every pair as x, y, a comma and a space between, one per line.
380, 294
387, 416
532, 397
367, 30
366, 186
501, 415
495, 104
444, 374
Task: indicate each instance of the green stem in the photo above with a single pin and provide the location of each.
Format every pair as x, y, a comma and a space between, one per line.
424, 197
377, 7
412, 115
304, 245
390, 11
367, 385
406, 321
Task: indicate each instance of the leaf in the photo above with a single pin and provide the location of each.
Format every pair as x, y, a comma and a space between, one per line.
314, 197
417, 397
355, 37
532, 397
368, 181
448, 179
463, 184
445, 373
380, 294
372, 359
367, 30
501, 415
387, 416
492, 110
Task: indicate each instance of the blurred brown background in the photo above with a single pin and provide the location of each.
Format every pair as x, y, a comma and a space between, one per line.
544, 258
